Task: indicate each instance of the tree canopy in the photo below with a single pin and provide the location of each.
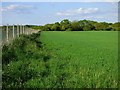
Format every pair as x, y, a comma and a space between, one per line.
82, 25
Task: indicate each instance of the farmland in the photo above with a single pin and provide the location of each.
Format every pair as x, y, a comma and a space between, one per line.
53, 59
88, 59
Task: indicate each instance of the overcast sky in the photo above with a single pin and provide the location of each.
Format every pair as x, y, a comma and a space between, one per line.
50, 12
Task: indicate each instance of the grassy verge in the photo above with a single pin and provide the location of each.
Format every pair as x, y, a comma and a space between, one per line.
23, 60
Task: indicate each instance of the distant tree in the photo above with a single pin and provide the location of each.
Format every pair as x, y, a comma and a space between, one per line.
47, 27
104, 25
65, 21
69, 29
87, 28
63, 28
82, 25
87, 25
55, 27
116, 26
65, 24
75, 26
98, 26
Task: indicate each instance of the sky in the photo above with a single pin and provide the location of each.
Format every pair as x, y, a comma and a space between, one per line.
59, 0
40, 13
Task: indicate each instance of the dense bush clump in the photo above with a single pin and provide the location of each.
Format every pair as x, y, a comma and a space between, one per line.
22, 60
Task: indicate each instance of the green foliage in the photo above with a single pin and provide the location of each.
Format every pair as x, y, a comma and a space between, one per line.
75, 26
56, 27
8, 54
23, 59
82, 25
62, 28
47, 27
102, 26
69, 29
65, 24
61, 60
116, 26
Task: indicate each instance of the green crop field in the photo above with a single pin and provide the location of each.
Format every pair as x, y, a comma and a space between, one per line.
83, 59
61, 60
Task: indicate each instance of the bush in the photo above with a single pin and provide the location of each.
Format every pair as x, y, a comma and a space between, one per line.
23, 60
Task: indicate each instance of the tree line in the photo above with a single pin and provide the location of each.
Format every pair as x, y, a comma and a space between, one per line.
82, 25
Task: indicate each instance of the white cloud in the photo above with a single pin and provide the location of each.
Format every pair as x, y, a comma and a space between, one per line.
77, 11
15, 7
1, 9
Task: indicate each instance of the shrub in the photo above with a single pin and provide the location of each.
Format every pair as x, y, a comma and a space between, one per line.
23, 60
